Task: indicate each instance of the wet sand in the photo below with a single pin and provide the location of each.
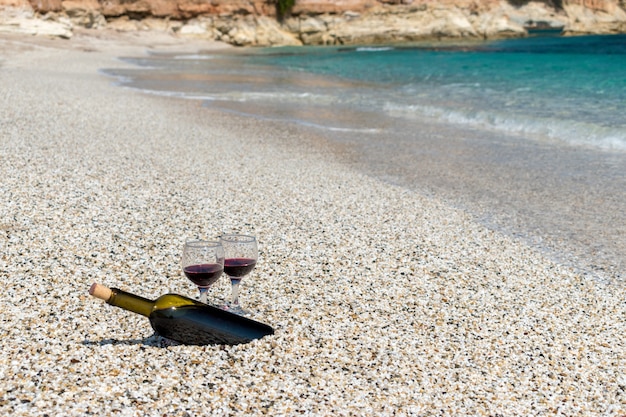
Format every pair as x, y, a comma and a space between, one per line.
565, 201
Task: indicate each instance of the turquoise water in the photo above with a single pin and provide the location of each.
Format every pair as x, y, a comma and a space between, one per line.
552, 88
527, 135
568, 89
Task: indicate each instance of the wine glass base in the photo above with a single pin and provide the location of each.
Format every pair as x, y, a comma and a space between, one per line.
235, 309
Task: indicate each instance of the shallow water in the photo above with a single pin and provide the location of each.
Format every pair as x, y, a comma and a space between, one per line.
527, 135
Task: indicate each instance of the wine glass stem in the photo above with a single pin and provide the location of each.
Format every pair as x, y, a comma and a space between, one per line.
235, 289
203, 295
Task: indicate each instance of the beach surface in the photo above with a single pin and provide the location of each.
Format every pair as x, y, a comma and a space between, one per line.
385, 301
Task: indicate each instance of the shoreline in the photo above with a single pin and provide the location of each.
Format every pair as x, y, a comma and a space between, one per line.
516, 188
384, 301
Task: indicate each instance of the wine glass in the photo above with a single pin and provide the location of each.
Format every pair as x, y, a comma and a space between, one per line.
241, 254
203, 263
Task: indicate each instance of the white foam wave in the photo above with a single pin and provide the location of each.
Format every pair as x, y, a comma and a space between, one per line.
195, 57
302, 122
374, 48
340, 129
234, 96
574, 133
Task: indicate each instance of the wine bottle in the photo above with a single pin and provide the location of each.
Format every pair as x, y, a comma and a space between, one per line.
186, 320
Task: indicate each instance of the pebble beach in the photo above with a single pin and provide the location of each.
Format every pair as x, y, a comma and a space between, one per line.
384, 301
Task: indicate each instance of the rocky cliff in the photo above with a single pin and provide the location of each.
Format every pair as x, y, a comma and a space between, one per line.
316, 22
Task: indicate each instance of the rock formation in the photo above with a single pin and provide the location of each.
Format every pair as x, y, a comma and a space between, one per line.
317, 22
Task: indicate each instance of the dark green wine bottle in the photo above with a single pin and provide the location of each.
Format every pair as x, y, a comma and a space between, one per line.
186, 320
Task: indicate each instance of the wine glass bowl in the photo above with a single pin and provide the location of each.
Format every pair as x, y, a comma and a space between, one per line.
240, 257
203, 264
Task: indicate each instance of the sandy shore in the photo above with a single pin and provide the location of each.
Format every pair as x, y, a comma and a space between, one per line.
385, 302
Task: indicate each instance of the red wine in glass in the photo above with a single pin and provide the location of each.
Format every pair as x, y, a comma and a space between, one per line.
240, 258
203, 275
203, 263
236, 268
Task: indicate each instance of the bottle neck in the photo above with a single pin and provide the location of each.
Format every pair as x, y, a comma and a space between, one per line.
130, 302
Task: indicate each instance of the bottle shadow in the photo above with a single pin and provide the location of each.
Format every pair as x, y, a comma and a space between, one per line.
153, 341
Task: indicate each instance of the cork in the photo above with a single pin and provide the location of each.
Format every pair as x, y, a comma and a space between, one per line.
100, 291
